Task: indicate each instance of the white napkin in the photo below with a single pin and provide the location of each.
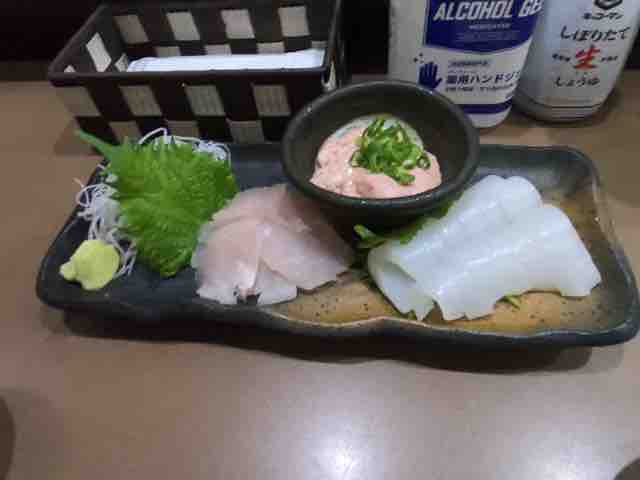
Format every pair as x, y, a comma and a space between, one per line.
310, 58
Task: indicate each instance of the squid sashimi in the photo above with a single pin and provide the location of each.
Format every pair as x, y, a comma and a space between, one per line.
268, 242
498, 239
397, 285
539, 251
487, 205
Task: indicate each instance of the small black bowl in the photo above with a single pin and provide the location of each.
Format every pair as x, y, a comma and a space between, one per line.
443, 127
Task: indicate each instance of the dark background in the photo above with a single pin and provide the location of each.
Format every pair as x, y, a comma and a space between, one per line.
38, 29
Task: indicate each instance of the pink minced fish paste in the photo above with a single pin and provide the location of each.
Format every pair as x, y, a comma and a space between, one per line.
333, 172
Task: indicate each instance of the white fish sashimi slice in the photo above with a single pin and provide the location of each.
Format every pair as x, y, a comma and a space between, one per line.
311, 235
298, 213
326, 234
276, 204
540, 251
488, 205
397, 286
256, 203
272, 287
303, 258
268, 241
279, 204
228, 261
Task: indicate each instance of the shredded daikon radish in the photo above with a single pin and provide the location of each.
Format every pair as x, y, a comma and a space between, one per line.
102, 212
220, 150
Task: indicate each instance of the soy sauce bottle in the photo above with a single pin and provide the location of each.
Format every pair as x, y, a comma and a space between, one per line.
579, 49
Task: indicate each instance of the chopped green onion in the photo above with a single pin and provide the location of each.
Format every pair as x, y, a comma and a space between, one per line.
370, 239
389, 150
513, 301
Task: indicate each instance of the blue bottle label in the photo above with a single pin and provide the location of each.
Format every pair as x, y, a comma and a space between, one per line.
472, 51
481, 26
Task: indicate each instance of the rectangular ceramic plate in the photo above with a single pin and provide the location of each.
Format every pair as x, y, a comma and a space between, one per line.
353, 307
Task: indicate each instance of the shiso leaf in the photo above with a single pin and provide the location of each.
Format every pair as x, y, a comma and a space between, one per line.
370, 239
166, 192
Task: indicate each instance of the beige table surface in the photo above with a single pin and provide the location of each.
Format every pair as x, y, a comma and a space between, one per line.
80, 401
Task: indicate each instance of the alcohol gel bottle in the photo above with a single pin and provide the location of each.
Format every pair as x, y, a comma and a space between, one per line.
579, 49
471, 51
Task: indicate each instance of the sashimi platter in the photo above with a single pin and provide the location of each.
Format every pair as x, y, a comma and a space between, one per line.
173, 228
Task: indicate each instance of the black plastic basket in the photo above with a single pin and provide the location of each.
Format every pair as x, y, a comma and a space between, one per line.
236, 106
